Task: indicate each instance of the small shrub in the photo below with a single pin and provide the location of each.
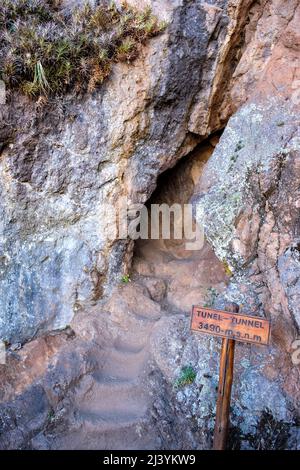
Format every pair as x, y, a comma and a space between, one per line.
211, 296
45, 50
127, 50
227, 268
270, 433
187, 376
51, 416
125, 278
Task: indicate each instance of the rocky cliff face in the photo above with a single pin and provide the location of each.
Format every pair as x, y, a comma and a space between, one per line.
232, 64
58, 168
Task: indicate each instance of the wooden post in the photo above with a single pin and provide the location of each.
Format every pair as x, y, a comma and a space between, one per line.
224, 388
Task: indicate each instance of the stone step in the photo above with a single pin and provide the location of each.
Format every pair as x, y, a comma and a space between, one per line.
115, 397
122, 364
109, 432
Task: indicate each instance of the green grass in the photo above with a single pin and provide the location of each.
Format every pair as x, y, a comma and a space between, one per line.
187, 376
45, 50
125, 278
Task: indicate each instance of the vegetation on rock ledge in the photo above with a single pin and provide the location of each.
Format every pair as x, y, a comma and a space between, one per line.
187, 377
46, 50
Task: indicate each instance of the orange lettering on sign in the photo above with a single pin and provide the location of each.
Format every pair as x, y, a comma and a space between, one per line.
239, 327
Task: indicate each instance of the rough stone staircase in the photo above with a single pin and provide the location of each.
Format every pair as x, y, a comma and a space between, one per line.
112, 405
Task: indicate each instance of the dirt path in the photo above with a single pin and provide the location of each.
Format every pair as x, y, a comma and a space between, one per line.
113, 407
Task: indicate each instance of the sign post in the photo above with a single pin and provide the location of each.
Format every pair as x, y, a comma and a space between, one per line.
224, 389
232, 327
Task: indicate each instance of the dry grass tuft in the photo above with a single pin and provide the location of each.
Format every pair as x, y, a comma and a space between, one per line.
45, 50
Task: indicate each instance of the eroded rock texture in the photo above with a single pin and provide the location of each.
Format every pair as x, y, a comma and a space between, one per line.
216, 59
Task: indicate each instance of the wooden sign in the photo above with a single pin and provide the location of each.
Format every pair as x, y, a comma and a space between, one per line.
231, 326
239, 327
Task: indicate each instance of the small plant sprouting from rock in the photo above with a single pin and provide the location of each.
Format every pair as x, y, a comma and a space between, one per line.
234, 156
46, 50
51, 416
239, 146
227, 268
270, 433
125, 278
187, 376
211, 296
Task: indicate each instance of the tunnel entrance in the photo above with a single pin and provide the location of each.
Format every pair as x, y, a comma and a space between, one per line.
189, 276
